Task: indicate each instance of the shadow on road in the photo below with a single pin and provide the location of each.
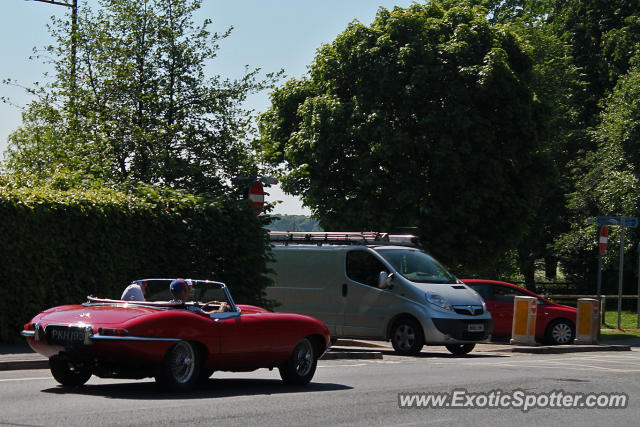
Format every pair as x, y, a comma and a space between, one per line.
212, 388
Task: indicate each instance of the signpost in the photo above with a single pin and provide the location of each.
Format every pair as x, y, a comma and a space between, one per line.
256, 197
623, 222
253, 189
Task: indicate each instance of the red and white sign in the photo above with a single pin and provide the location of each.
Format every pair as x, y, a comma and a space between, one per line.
256, 197
604, 239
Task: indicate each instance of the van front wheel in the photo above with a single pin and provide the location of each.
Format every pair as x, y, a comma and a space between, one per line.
460, 349
406, 337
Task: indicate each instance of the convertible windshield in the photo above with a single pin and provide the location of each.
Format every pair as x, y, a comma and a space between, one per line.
417, 266
202, 291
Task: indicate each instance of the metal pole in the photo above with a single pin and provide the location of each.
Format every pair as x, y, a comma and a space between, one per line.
599, 298
74, 36
599, 288
620, 274
638, 306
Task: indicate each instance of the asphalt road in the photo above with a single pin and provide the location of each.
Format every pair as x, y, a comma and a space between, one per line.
344, 392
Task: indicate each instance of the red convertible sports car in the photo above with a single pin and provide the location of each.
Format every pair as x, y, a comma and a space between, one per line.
176, 342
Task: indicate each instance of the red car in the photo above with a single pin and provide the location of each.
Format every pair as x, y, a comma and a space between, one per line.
178, 343
555, 323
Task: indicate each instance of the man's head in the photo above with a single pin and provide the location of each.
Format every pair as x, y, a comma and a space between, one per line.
180, 289
143, 286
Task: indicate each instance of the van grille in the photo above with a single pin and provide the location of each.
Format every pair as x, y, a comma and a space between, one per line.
459, 329
469, 310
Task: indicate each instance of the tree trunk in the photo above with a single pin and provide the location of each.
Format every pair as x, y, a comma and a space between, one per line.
526, 262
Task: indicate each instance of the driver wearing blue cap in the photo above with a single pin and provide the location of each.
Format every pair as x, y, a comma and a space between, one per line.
180, 289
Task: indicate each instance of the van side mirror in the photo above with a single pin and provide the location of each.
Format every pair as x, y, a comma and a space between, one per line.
385, 281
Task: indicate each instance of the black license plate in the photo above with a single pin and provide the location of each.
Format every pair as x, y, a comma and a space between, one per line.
475, 327
65, 335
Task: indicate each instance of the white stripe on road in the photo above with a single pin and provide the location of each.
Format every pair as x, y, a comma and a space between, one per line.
25, 379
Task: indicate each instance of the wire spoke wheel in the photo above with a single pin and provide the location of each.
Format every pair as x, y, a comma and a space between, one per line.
301, 366
304, 358
180, 368
182, 362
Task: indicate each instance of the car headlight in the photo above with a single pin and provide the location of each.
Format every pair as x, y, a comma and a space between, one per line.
437, 300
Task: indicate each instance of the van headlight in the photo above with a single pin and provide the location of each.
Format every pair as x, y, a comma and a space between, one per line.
437, 300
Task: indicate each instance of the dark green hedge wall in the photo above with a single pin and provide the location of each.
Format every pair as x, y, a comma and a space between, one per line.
57, 247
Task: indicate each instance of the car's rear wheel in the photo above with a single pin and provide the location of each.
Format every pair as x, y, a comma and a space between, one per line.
68, 374
301, 366
560, 332
180, 368
460, 349
406, 337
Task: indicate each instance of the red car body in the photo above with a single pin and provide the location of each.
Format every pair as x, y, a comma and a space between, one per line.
131, 339
555, 323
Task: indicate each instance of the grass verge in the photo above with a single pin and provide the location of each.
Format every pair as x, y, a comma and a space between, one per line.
628, 323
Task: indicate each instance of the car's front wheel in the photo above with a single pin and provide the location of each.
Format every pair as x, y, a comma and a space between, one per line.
68, 374
406, 337
560, 332
180, 368
460, 349
301, 366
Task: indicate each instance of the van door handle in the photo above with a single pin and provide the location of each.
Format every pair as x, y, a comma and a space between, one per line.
344, 289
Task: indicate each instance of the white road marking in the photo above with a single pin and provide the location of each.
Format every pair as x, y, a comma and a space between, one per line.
25, 379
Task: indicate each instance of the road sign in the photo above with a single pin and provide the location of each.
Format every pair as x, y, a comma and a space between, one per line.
256, 197
604, 239
615, 220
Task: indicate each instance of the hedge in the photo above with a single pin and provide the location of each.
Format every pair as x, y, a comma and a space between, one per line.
57, 247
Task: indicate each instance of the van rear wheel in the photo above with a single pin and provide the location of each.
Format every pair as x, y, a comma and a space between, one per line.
407, 337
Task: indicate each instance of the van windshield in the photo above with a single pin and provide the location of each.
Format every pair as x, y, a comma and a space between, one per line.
417, 266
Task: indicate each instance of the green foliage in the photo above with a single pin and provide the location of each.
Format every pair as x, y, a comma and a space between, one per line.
294, 223
57, 247
139, 107
424, 118
607, 183
603, 35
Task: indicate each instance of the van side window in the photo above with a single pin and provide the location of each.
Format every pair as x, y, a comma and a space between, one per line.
363, 267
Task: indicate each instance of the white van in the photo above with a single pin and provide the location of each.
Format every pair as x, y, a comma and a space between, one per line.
376, 286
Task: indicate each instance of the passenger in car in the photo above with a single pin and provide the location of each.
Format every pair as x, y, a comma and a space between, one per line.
135, 291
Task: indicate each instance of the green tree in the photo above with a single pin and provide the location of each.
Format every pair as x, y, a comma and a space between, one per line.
141, 108
611, 183
424, 118
556, 81
603, 35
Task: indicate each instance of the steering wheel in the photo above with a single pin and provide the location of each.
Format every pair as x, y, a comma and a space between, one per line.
220, 304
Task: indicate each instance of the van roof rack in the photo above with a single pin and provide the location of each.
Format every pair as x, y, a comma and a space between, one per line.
344, 238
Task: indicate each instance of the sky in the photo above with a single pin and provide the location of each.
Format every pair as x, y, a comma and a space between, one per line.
267, 34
